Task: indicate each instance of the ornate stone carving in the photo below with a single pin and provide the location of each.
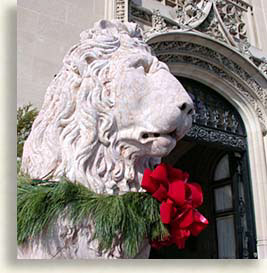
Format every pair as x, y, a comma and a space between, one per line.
104, 120
241, 4
138, 13
232, 17
158, 23
192, 12
261, 64
217, 137
212, 27
121, 10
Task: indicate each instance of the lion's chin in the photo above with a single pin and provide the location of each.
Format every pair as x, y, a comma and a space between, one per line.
163, 145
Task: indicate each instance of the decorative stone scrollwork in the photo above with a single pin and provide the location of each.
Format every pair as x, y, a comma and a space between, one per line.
217, 137
212, 27
239, 3
192, 13
158, 23
231, 14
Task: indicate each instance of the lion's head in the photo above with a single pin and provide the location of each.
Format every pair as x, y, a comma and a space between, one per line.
111, 111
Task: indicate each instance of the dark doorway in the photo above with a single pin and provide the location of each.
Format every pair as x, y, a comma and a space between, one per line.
214, 153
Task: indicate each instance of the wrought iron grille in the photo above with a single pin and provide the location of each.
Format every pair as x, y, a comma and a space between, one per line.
215, 120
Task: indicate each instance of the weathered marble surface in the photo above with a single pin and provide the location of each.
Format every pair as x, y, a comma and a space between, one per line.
112, 111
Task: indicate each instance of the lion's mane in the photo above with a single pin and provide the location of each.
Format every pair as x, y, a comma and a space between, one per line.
75, 133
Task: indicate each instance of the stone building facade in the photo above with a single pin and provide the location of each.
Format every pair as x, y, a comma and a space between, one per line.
218, 50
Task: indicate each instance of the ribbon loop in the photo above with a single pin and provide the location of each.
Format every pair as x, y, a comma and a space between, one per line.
160, 194
177, 192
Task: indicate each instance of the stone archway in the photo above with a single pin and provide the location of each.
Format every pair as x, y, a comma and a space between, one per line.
218, 66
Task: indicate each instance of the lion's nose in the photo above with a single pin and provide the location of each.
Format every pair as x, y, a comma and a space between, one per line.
186, 107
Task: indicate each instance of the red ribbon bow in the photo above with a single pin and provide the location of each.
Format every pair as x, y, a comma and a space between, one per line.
179, 201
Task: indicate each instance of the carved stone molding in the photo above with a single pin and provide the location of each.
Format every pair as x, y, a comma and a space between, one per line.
192, 13
140, 14
158, 23
217, 137
121, 10
153, 19
230, 14
212, 27
261, 64
216, 63
243, 5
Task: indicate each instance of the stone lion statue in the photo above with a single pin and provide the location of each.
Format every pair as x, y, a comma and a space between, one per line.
112, 111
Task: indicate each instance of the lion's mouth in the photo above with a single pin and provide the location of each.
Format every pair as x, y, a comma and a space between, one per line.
160, 144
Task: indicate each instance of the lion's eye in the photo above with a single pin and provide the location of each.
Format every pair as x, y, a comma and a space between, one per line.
156, 66
141, 63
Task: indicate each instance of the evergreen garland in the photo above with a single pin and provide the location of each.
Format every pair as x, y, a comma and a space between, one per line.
134, 216
25, 118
